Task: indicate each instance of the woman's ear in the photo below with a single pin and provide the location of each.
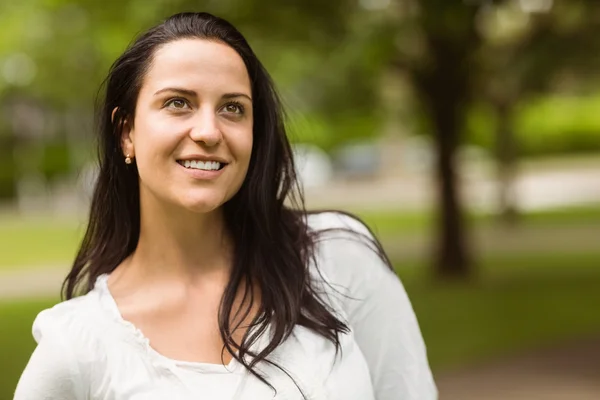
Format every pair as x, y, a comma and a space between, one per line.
125, 132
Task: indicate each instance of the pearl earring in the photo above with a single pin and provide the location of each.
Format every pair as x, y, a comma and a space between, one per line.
127, 159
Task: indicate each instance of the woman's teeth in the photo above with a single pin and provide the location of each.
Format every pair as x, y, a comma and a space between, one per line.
203, 165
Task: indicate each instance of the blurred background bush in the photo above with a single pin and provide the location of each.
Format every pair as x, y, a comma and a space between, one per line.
466, 133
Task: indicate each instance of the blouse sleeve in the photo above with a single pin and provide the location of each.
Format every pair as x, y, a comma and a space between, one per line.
52, 372
381, 316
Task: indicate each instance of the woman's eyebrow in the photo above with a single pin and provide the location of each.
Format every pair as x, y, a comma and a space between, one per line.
186, 92
233, 95
192, 93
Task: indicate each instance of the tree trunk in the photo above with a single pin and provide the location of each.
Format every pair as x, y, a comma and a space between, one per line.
452, 259
8, 167
444, 84
444, 95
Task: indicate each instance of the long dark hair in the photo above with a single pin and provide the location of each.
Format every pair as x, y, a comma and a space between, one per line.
272, 243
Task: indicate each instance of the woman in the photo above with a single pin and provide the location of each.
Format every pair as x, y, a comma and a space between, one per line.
199, 281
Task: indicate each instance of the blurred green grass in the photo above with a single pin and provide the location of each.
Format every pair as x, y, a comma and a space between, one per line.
16, 342
389, 223
532, 302
39, 241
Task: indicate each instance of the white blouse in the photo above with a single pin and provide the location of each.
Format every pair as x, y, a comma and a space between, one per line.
87, 351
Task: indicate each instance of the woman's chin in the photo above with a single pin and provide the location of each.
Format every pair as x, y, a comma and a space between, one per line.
201, 206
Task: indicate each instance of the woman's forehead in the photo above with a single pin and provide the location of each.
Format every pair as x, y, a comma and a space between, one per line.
196, 64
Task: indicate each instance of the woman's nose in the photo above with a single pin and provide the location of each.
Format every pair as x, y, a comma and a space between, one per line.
206, 129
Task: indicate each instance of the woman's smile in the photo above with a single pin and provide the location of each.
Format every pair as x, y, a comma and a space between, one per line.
204, 170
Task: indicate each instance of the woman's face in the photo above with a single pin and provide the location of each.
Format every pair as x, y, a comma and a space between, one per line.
192, 131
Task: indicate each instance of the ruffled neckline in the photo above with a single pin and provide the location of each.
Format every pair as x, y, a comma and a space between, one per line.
136, 335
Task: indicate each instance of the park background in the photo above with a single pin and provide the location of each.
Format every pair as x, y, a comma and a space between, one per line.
465, 132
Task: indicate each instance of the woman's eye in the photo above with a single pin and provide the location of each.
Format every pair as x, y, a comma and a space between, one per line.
178, 104
234, 108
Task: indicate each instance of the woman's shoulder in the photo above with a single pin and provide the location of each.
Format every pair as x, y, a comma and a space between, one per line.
54, 369
336, 222
346, 252
341, 237
73, 339
71, 320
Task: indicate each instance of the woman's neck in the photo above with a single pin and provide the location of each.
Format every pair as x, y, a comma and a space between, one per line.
181, 244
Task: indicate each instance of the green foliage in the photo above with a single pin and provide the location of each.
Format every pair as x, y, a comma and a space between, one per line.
330, 133
55, 160
546, 125
559, 124
329, 60
325, 56
309, 128
480, 126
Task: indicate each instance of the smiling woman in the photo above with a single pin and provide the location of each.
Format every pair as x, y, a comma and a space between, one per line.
196, 92
195, 279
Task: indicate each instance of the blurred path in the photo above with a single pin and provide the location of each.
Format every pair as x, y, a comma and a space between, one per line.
537, 186
32, 281
568, 373
575, 239
44, 281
